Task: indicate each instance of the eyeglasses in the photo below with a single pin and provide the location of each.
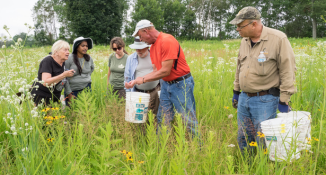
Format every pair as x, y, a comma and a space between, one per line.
115, 49
241, 27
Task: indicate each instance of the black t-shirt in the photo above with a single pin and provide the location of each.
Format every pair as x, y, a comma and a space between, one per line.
48, 65
252, 43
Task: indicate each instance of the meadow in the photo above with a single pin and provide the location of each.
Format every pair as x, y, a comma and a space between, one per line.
92, 137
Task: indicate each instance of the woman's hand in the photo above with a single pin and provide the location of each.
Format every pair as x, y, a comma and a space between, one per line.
69, 73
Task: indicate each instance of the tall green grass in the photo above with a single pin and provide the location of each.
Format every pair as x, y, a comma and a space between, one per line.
89, 137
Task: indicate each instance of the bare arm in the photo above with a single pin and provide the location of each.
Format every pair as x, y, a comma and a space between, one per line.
48, 80
156, 75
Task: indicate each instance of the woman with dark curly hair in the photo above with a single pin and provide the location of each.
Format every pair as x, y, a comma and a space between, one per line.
83, 64
117, 63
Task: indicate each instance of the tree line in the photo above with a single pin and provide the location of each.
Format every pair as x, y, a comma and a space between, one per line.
185, 19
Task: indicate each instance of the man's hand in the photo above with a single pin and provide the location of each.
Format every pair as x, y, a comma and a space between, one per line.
235, 99
284, 107
137, 81
70, 96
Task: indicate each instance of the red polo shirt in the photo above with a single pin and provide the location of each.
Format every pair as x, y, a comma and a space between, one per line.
166, 47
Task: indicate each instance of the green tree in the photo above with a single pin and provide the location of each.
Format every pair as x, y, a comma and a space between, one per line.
146, 9
98, 19
173, 12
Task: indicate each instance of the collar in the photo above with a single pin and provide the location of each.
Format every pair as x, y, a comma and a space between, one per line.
263, 35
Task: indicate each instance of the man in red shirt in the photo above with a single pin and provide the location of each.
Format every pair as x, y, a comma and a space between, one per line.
178, 85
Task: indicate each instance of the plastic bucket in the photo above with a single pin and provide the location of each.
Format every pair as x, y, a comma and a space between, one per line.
136, 107
159, 94
302, 122
280, 139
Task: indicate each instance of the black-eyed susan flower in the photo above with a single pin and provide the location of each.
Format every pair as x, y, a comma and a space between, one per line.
140, 162
50, 139
48, 123
123, 152
261, 135
63, 116
129, 158
253, 143
56, 117
265, 151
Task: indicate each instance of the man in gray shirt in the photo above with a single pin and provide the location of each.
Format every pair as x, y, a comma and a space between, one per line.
140, 64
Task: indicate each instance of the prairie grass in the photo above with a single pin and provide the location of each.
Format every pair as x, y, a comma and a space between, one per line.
92, 136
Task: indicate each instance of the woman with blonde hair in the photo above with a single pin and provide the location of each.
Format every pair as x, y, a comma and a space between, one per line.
117, 63
52, 75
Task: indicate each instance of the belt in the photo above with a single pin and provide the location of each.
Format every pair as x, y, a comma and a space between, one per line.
179, 79
147, 91
261, 93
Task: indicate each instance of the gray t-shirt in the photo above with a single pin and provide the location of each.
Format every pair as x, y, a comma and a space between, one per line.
78, 81
145, 67
117, 69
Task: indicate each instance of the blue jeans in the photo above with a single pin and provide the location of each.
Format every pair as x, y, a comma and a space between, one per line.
178, 97
251, 112
75, 93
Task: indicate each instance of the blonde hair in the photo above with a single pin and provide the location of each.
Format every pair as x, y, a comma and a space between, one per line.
58, 45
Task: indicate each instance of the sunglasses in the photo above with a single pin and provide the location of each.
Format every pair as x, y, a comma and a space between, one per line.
115, 49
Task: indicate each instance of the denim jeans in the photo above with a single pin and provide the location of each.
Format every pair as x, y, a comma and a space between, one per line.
178, 97
75, 93
251, 112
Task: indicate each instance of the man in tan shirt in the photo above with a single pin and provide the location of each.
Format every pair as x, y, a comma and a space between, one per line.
265, 75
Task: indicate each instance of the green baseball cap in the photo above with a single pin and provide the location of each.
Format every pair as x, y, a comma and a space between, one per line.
246, 13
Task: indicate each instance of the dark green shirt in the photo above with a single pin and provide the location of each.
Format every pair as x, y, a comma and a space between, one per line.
117, 69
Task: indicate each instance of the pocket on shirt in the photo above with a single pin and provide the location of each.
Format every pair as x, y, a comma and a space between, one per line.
242, 60
264, 68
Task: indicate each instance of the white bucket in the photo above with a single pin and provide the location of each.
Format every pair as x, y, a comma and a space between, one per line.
159, 94
136, 107
279, 137
302, 122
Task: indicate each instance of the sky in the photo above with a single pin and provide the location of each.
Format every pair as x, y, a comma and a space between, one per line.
14, 14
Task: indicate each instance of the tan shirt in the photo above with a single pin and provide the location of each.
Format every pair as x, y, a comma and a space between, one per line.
277, 71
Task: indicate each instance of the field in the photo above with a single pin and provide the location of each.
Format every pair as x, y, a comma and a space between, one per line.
92, 137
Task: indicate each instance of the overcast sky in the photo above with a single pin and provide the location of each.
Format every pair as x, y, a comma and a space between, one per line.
14, 14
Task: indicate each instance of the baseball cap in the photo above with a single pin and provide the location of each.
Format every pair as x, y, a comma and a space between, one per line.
246, 13
142, 24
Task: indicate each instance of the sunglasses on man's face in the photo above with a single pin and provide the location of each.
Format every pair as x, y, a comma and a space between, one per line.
115, 49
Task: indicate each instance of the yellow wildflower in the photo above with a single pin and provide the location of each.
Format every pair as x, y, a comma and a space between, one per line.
124, 152
56, 118
309, 142
226, 107
282, 125
140, 162
253, 143
49, 122
282, 131
130, 158
315, 139
261, 135
63, 116
265, 151
50, 140
128, 153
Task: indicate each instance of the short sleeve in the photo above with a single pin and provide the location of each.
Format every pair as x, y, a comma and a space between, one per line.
109, 65
170, 49
46, 66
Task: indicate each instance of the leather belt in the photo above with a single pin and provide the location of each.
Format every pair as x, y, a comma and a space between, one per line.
179, 79
147, 91
261, 93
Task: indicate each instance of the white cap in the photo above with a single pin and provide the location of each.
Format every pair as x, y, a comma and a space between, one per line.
138, 44
142, 24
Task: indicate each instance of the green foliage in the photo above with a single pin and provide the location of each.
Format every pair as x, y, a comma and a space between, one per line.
87, 139
97, 19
